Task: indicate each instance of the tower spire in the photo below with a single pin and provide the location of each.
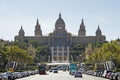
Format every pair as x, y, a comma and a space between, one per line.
98, 26
82, 22
60, 15
37, 21
21, 27
82, 31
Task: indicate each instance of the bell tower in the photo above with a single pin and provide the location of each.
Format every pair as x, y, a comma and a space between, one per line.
82, 31
38, 31
21, 34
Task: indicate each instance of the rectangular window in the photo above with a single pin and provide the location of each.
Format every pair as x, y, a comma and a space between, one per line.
60, 48
60, 54
55, 54
55, 58
55, 48
65, 58
65, 48
65, 54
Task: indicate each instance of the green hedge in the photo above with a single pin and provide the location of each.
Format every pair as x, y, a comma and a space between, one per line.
3, 70
118, 70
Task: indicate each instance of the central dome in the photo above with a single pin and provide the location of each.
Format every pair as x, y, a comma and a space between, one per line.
60, 22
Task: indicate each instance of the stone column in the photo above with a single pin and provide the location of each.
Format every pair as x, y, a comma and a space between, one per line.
57, 54
62, 53
52, 53
68, 54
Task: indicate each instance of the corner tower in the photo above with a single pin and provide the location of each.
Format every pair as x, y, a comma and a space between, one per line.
38, 31
82, 31
21, 34
99, 36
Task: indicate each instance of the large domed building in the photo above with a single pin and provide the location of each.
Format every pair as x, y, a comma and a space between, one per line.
60, 40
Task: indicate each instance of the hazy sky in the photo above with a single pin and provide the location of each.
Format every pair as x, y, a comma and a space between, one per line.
14, 13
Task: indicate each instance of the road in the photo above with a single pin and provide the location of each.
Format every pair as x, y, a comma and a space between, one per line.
60, 76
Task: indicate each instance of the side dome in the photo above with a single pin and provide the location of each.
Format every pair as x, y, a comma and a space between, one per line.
60, 22
98, 32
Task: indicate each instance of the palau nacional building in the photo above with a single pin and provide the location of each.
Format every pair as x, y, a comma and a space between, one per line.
60, 40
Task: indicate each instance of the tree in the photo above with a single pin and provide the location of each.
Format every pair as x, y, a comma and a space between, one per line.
108, 51
22, 45
18, 55
88, 51
76, 51
43, 53
35, 43
3, 59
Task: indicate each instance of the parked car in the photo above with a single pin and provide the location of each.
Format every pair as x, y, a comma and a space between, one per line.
109, 75
118, 77
8, 75
78, 74
115, 77
2, 77
23, 74
105, 73
64, 69
50, 70
55, 71
96, 73
16, 75
101, 73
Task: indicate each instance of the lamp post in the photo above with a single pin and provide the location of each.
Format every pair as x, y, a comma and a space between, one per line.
0, 60
112, 63
80, 66
0, 55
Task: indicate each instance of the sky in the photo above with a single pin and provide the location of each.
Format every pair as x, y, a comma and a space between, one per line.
17, 13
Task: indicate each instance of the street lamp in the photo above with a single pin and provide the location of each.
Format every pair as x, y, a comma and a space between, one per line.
0, 55
0, 60
80, 61
113, 65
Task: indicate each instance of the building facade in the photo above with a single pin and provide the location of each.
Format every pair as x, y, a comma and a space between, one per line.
60, 40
